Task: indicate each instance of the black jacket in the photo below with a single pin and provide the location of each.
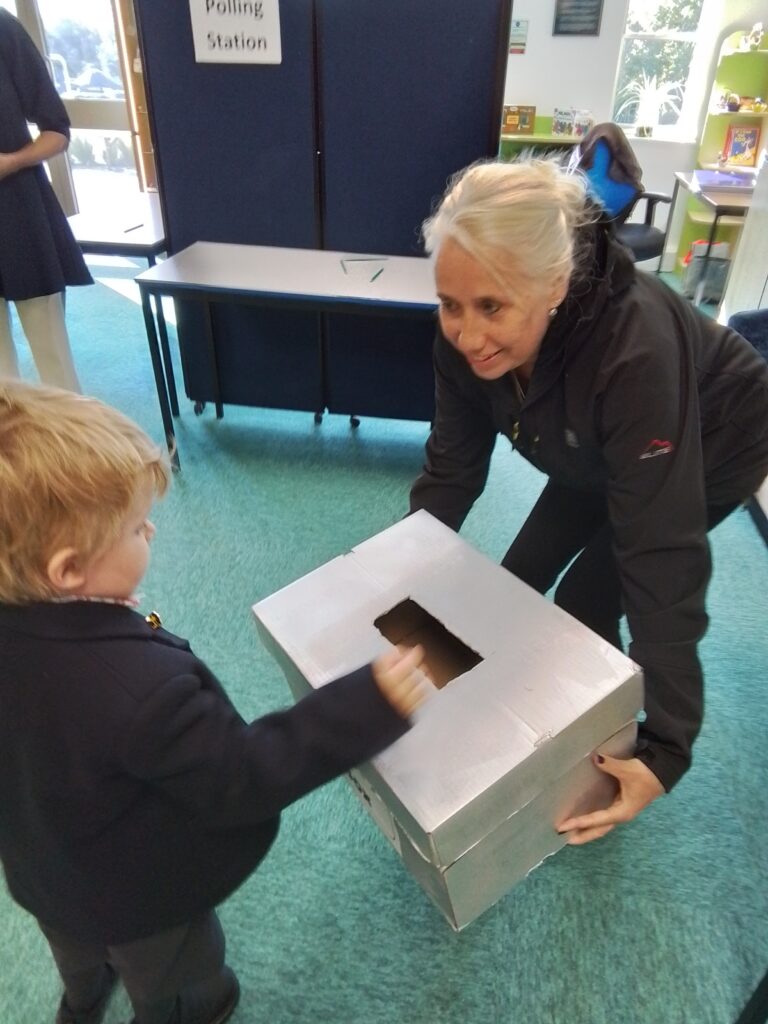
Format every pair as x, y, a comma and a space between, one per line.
638, 396
132, 795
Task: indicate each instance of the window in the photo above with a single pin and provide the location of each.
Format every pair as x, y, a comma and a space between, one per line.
663, 67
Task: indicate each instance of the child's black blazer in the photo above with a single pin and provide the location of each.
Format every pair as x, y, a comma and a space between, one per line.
133, 796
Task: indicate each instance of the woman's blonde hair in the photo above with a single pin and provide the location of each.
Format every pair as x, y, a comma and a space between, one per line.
70, 468
519, 219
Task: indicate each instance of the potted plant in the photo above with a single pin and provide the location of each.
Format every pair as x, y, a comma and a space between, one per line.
652, 99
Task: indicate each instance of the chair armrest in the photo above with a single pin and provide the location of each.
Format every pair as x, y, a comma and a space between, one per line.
652, 199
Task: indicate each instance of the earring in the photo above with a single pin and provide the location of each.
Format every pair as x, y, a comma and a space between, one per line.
553, 312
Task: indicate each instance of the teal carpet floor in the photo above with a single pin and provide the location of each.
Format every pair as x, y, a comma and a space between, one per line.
665, 921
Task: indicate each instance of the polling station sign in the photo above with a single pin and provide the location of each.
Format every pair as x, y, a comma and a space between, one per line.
236, 31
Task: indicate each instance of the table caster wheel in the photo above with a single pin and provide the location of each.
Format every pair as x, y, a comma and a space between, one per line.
199, 407
354, 422
318, 418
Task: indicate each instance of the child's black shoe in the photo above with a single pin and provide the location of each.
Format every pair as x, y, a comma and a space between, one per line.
95, 1014
212, 1002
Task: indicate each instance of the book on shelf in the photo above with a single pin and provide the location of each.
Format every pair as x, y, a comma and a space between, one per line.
563, 121
741, 142
582, 122
518, 120
571, 122
722, 181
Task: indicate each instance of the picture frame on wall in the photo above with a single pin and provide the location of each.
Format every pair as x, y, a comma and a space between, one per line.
577, 17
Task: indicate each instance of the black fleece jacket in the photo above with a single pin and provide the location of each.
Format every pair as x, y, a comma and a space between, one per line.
638, 396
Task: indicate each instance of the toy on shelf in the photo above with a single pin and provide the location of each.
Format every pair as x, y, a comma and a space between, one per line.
751, 40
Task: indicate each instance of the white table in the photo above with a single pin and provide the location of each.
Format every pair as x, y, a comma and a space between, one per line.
304, 279
134, 228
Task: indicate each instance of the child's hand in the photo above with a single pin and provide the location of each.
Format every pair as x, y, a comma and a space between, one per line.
399, 677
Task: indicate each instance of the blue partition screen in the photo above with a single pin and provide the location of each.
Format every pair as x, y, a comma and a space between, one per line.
344, 145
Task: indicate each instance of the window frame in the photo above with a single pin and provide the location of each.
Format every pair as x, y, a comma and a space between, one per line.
705, 39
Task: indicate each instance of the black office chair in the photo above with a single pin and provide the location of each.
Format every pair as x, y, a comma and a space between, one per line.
615, 180
643, 239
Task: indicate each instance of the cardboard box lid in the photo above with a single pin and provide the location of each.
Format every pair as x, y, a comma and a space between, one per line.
547, 690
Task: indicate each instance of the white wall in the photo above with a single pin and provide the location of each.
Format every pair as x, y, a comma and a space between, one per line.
565, 71
747, 286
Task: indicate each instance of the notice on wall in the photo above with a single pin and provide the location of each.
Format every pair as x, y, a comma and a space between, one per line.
518, 36
236, 31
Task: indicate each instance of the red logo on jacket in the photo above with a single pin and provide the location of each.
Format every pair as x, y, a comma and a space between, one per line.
657, 447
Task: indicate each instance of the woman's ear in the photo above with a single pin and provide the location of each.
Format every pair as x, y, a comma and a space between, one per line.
559, 291
65, 571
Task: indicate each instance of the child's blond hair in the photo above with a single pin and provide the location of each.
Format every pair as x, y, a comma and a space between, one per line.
70, 467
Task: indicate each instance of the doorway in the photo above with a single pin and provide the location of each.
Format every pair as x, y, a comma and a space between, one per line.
91, 47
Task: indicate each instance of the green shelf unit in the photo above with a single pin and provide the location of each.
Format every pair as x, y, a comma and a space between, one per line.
744, 73
541, 139
697, 225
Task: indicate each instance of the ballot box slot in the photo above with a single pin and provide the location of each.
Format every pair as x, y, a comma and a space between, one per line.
446, 656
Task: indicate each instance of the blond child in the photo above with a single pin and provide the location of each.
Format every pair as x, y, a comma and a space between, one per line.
135, 798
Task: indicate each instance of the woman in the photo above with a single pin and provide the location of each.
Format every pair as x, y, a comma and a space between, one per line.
650, 421
39, 256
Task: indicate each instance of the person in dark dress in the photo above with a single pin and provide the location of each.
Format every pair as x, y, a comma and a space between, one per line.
39, 256
648, 419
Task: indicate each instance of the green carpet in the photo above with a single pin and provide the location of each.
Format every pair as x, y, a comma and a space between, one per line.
664, 921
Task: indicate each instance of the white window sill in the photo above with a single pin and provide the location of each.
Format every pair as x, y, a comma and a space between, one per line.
662, 133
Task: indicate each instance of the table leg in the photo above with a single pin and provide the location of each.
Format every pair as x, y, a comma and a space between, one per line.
157, 367
699, 294
668, 227
165, 348
323, 356
214, 361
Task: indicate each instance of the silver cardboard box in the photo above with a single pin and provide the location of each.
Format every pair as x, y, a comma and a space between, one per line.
501, 751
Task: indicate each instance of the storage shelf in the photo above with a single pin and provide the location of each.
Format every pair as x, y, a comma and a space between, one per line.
738, 113
748, 172
729, 52
743, 74
533, 137
725, 221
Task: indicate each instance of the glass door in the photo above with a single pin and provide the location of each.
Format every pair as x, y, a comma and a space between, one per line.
81, 41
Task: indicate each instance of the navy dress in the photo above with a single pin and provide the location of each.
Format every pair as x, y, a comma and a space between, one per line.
38, 252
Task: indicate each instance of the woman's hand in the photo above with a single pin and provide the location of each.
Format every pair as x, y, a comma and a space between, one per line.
638, 787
